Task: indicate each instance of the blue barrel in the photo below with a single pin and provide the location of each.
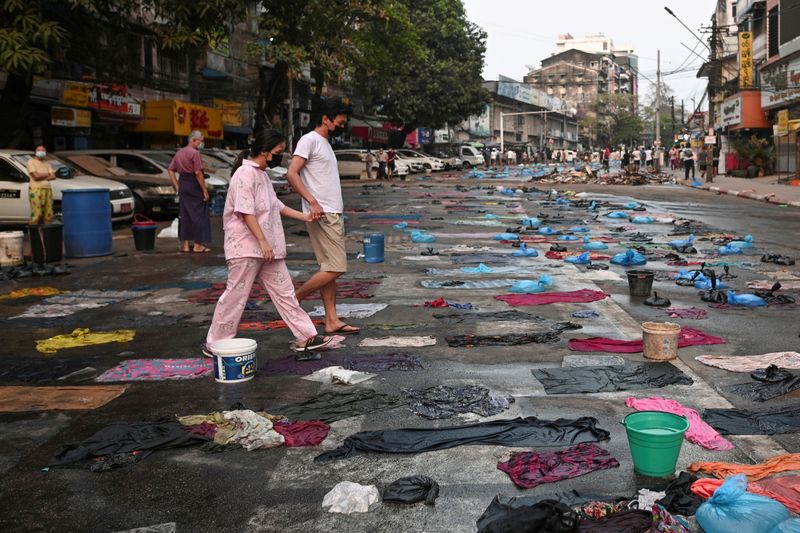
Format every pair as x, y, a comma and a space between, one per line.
373, 248
87, 222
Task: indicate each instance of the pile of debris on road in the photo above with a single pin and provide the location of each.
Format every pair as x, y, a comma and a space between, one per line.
591, 174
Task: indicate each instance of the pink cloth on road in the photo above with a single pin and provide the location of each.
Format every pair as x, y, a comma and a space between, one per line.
692, 313
302, 433
251, 193
687, 337
543, 298
699, 432
242, 273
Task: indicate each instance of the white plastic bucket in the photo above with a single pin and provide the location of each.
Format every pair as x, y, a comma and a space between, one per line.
234, 360
11, 248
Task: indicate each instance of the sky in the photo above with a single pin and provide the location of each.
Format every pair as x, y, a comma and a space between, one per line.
523, 32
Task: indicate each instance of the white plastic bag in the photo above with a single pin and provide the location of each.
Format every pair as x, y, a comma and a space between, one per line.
170, 232
348, 497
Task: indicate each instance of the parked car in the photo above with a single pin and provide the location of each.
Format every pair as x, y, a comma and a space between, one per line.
352, 162
470, 156
428, 162
414, 164
450, 160
15, 205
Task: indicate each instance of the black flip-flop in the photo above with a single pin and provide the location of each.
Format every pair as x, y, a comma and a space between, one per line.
342, 331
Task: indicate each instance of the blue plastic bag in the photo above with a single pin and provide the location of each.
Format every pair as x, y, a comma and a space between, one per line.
629, 258
527, 286
729, 249
562, 201
631, 205
731, 509
679, 243
506, 237
589, 245
531, 222
401, 225
582, 259
642, 220
524, 251
747, 300
547, 230
419, 236
480, 269
490, 216
704, 282
789, 526
617, 214
579, 229
592, 205
746, 243
569, 238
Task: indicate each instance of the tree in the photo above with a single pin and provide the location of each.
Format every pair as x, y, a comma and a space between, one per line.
436, 77
648, 113
613, 120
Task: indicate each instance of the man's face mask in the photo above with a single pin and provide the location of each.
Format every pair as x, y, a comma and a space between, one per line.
337, 129
275, 161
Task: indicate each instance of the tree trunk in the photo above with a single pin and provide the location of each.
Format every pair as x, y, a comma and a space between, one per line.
16, 130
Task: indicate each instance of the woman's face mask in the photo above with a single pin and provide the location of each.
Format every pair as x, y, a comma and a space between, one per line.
41, 154
275, 161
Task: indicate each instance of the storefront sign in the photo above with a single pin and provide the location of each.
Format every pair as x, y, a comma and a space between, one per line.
780, 84
745, 60
67, 117
782, 126
75, 94
113, 98
189, 117
732, 111
231, 112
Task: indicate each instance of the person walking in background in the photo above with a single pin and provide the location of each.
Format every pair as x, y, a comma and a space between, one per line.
190, 184
701, 162
687, 156
314, 175
391, 167
370, 159
255, 247
636, 158
494, 157
40, 193
382, 160
626, 160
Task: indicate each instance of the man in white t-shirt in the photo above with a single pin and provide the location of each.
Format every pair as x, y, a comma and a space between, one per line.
314, 175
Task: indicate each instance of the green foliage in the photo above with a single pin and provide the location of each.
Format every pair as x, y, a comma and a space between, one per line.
754, 148
26, 40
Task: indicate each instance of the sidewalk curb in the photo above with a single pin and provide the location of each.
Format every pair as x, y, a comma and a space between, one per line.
749, 194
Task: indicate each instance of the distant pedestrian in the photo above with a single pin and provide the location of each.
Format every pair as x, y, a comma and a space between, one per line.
314, 175
702, 162
391, 160
494, 157
636, 159
383, 158
626, 160
255, 247
487, 157
648, 157
190, 184
511, 157
606, 157
40, 194
674, 158
370, 160
687, 156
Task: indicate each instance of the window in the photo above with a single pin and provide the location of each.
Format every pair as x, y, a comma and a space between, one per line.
9, 173
772, 32
605, 46
136, 165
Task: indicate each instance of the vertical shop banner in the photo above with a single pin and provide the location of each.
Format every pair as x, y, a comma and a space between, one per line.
783, 122
745, 60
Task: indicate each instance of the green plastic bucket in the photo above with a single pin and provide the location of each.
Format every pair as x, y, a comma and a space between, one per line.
655, 440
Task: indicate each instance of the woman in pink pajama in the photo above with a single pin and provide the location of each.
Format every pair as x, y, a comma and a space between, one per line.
255, 247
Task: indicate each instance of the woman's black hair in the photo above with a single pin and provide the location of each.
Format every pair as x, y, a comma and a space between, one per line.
264, 141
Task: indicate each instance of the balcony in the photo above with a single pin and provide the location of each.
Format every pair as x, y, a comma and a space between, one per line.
745, 7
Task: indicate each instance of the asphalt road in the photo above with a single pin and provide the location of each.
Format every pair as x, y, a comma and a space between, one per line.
281, 489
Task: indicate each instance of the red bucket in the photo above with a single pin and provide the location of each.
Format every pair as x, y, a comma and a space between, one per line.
140, 220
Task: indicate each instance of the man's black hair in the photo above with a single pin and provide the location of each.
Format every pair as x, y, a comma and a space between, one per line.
331, 108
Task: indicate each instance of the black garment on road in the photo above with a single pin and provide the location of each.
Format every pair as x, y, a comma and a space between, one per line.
529, 431
763, 421
609, 378
123, 438
509, 339
627, 521
444, 401
503, 506
679, 498
761, 391
547, 516
461, 259
412, 489
330, 406
488, 316
771, 374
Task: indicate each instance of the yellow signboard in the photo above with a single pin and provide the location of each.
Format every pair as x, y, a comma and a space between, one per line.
70, 118
783, 122
231, 112
76, 94
180, 118
745, 59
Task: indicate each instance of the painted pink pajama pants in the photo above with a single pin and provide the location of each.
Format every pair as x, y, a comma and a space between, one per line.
242, 273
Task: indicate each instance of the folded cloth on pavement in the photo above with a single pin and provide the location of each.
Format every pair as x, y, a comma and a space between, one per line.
445, 401
302, 433
399, 342
468, 284
488, 316
509, 339
412, 489
15, 399
748, 363
687, 337
529, 431
774, 465
531, 469
609, 378
759, 421
543, 298
332, 406
158, 369
362, 363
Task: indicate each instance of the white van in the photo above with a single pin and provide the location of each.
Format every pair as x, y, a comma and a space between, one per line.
15, 206
469, 154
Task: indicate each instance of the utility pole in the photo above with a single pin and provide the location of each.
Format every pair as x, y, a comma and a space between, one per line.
672, 102
657, 139
683, 120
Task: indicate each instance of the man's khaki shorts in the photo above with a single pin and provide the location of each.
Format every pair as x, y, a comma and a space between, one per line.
327, 239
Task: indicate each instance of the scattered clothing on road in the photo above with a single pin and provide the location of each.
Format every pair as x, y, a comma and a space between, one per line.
610, 378
531, 469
